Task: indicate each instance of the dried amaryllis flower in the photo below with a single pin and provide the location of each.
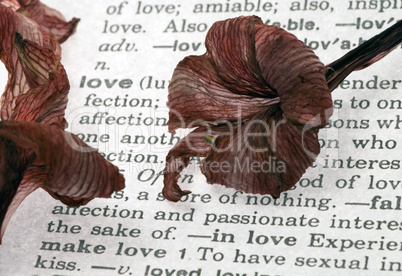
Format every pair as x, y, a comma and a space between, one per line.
257, 98
35, 151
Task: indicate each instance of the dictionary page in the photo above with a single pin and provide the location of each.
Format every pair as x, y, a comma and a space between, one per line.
342, 218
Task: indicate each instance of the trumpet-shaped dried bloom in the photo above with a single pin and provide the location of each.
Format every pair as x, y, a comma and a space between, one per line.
257, 98
266, 85
35, 151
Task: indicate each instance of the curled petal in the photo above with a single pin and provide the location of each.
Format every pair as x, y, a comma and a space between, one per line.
47, 100
66, 167
17, 28
194, 144
232, 52
50, 20
295, 72
266, 155
73, 169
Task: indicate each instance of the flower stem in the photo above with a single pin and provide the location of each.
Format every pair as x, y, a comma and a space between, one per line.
364, 55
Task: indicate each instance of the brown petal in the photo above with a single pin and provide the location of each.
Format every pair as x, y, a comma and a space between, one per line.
71, 170
231, 49
223, 84
21, 81
193, 145
196, 92
47, 100
295, 72
12, 4
266, 155
50, 20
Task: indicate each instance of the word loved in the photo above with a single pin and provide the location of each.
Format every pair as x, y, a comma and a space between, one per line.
223, 273
170, 272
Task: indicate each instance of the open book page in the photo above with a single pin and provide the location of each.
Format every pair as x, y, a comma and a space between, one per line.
342, 218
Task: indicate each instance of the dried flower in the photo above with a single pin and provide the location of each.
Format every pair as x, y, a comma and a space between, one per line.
35, 151
257, 98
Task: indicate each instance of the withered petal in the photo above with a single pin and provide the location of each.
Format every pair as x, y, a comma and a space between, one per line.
50, 20
47, 100
32, 179
223, 84
66, 167
266, 155
12, 4
178, 158
231, 50
73, 169
295, 72
197, 93
26, 66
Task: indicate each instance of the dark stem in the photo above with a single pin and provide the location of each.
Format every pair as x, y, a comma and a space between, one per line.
364, 55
